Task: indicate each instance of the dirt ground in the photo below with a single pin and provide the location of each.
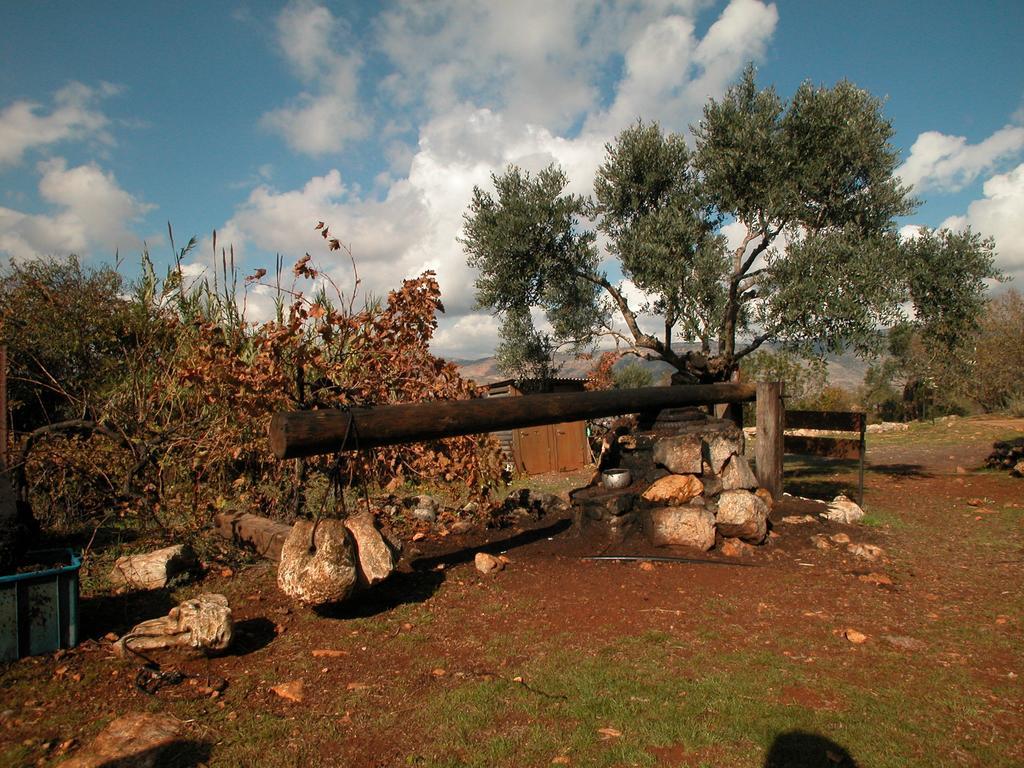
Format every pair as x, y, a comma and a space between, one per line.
445, 666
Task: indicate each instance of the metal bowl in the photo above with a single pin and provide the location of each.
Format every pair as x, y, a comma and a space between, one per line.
616, 478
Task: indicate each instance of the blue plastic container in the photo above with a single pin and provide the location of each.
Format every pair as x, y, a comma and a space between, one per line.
39, 610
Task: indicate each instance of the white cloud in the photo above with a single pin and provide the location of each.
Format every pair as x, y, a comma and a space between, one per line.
1000, 214
948, 163
328, 115
74, 115
488, 84
91, 213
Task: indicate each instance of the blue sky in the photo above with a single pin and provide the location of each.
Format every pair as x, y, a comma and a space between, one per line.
258, 119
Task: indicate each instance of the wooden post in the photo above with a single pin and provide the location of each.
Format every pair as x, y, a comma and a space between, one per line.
770, 414
5, 460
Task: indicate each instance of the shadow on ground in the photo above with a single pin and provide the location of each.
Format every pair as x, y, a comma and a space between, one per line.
118, 613
799, 749
401, 588
251, 635
466, 554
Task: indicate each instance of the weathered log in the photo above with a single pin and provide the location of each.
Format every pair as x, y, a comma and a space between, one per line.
307, 433
265, 536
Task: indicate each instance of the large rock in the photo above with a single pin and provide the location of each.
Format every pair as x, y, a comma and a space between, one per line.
680, 454
742, 515
680, 526
152, 570
674, 490
737, 475
201, 624
842, 510
723, 445
376, 558
137, 740
321, 571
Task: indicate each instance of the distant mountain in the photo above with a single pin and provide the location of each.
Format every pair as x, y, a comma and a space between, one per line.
845, 371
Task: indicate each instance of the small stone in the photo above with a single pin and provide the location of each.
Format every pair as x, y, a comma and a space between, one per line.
962, 470
424, 515
843, 510
878, 579
904, 643
674, 490
486, 563
975, 502
646, 566
460, 527
328, 653
866, 551
855, 637
293, 691
439, 672
797, 519
419, 536
821, 542
840, 538
736, 548
470, 508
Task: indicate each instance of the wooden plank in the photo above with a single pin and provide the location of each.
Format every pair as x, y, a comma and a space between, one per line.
833, 421
308, 433
768, 451
830, 447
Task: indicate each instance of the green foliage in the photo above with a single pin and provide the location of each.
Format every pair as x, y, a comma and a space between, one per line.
66, 328
803, 379
531, 251
632, 376
811, 184
997, 381
170, 390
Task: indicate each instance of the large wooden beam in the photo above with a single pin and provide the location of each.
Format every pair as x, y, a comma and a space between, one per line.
307, 433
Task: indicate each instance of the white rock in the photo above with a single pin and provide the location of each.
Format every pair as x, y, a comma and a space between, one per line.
738, 475
721, 447
680, 454
742, 515
139, 740
320, 572
486, 563
203, 623
152, 570
680, 526
866, 551
376, 558
843, 510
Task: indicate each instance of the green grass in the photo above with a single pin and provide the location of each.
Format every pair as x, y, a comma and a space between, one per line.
728, 702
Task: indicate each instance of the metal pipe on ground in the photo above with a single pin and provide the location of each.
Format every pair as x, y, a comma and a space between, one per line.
307, 433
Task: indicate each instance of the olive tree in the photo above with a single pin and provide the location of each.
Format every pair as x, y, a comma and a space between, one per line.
806, 191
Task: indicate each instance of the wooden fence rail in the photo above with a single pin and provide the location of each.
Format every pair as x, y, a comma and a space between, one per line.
294, 434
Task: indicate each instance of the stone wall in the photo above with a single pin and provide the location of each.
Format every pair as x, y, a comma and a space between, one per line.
691, 485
